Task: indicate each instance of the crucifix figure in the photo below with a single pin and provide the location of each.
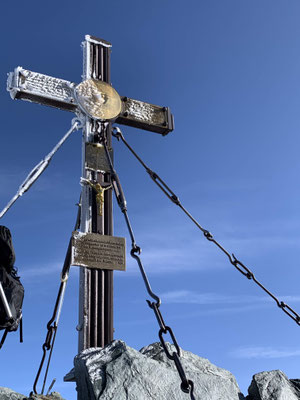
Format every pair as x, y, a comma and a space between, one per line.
99, 193
97, 106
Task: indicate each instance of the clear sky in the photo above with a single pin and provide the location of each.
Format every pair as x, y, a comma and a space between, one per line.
229, 71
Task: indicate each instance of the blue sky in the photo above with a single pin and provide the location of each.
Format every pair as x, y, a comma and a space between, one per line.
229, 71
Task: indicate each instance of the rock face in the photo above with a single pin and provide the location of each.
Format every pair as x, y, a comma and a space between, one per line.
8, 394
273, 385
121, 373
52, 396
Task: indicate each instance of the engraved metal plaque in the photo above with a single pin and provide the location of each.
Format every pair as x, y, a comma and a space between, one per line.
92, 250
95, 157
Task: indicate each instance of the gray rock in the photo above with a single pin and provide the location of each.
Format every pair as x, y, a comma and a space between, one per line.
121, 373
296, 385
8, 394
51, 396
272, 385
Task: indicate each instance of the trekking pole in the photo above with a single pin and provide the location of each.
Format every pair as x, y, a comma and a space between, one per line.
8, 313
5, 303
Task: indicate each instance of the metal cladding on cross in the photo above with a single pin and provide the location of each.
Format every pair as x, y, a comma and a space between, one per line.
94, 98
98, 99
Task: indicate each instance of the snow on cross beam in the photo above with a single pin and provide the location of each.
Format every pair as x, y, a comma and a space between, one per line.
43, 89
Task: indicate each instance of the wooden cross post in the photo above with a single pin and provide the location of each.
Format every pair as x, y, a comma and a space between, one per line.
96, 285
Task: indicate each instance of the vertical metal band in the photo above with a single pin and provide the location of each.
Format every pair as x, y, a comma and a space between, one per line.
95, 286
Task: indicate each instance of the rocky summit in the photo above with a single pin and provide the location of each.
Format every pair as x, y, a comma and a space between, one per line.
8, 394
119, 372
273, 385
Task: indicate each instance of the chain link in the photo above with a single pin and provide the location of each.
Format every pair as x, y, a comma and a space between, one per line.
187, 386
232, 259
52, 324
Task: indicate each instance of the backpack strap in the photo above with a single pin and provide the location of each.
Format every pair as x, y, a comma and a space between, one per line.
21, 329
6, 332
3, 338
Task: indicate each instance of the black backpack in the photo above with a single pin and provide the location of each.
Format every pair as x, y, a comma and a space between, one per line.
11, 289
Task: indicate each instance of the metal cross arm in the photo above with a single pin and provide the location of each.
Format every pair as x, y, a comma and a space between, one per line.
43, 89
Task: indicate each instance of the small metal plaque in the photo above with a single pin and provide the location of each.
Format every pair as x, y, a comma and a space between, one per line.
92, 250
95, 157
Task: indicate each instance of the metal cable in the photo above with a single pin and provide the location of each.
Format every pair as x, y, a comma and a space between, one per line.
187, 386
53, 322
35, 173
232, 259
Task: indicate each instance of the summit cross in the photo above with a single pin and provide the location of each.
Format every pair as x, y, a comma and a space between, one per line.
96, 285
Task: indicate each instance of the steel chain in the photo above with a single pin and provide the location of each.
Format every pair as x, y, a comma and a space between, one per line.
187, 386
52, 324
232, 259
